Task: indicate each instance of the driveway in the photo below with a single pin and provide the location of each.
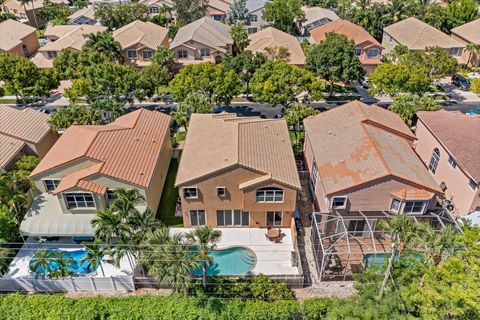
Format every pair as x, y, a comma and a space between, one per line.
456, 94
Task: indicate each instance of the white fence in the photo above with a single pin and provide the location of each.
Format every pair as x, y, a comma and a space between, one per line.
67, 284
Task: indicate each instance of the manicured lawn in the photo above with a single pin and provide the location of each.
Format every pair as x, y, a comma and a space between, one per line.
179, 136
301, 135
166, 209
8, 101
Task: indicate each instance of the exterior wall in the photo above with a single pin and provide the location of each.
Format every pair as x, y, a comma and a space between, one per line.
45, 144
100, 203
194, 54
139, 49
260, 23
388, 43
369, 63
456, 179
473, 59
236, 199
31, 42
321, 201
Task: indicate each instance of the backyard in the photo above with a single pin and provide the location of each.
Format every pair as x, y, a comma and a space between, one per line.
166, 209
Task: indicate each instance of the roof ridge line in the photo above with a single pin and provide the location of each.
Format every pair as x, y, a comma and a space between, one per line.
376, 148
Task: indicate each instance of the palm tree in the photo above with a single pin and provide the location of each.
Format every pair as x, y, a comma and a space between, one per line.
397, 10
94, 257
473, 50
24, 3
142, 222
108, 224
295, 115
5, 254
205, 238
63, 264
104, 43
126, 201
197, 103
42, 263
277, 53
180, 116
437, 246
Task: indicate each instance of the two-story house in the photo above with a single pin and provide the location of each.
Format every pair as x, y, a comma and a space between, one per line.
255, 21
18, 38
80, 173
83, 16
202, 40
314, 17
237, 171
163, 7
449, 145
28, 12
417, 35
368, 50
360, 159
140, 40
469, 33
217, 9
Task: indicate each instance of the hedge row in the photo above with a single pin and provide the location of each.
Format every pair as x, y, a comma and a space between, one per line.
52, 307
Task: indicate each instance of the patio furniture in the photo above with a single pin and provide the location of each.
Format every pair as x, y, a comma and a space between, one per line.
273, 233
280, 237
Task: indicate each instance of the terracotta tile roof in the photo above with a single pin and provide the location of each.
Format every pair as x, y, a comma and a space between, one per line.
350, 30
77, 178
418, 35
220, 141
9, 148
127, 148
74, 39
27, 124
469, 31
146, 34
12, 32
355, 143
413, 194
271, 37
460, 134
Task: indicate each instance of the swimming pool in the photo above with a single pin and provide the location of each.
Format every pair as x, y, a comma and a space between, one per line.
229, 262
77, 267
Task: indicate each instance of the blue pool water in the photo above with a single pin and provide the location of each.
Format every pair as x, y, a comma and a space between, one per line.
231, 261
77, 267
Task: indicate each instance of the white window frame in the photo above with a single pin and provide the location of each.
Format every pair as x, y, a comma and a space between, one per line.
253, 18
65, 194
252, 30
198, 220
274, 196
150, 54
232, 213
134, 56
314, 177
180, 54
424, 204
222, 190
452, 162
154, 10
344, 198
55, 183
186, 189
434, 160
373, 49
205, 52
274, 220
455, 51
399, 205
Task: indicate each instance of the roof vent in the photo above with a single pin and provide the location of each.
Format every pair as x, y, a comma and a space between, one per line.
137, 139
154, 141
141, 173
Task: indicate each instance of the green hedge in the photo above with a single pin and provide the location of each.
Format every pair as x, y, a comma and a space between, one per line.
52, 307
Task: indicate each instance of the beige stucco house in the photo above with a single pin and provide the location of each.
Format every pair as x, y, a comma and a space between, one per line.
314, 17
88, 163
217, 9
367, 48
449, 145
237, 171
29, 12
360, 159
23, 132
202, 40
468, 33
140, 40
83, 16
18, 38
417, 35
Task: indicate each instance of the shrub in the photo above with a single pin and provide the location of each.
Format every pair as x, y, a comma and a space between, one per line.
475, 86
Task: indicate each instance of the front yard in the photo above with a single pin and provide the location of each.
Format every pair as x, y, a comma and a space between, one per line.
166, 209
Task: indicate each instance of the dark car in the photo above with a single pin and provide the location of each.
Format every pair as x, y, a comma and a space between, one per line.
460, 82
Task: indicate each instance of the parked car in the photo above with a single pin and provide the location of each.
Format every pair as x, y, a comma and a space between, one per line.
364, 82
461, 82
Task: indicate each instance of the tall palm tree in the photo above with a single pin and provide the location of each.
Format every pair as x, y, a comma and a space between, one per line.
94, 257
142, 222
43, 263
473, 50
63, 264
108, 224
180, 116
436, 245
24, 3
206, 239
104, 43
126, 201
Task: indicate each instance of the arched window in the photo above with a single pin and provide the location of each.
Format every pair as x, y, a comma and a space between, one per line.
434, 160
269, 195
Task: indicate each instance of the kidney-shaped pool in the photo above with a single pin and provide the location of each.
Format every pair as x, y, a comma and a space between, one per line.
229, 262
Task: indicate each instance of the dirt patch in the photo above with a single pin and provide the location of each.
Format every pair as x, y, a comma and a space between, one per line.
338, 289
140, 292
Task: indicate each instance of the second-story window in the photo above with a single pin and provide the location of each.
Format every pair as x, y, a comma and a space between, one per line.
111, 195
79, 200
131, 54
205, 52
221, 192
269, 195
358, 51
253, 18
339, 202
147, 54
154, 10
414, 206
51, 185
454, 51
190, 193
452, 162
372, 53
182, 54
434, 160
473, 184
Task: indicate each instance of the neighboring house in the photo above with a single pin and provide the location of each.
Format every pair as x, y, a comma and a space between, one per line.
315, 17
360, 159
217, 9
69, 37
88, 163
469, 33
255, 20
368, 50
274, 39
28, 12
84, 16
23, 132
18, 38
140, 40
156, 7
202, 40
417, 35
237, 171
449, 144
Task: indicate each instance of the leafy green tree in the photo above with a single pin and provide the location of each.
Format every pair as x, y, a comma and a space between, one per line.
240, 37
105, 45
245, 64
111, 109
180, 116
197, 103
406, 106
80, 4
52, 12
63, 264
94, 256
439, 63
7, 16
115, 17
334, 60
164, 57
459, 12
393, 79
277, 53
295, 115
283, 14
74, 114
215, 82
151, 80
237, 12
126, 201
473, 50
205, 238
41, 263
5, 255
277, 82
475, 86
109, 224
190, 10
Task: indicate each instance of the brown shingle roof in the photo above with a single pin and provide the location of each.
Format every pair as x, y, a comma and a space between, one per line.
12, 32
216, 142
340, 26
355, 143
460, 134
128, 148
28, 124
146, 34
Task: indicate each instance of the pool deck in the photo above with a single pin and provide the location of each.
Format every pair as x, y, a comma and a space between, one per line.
272, 258
19, 268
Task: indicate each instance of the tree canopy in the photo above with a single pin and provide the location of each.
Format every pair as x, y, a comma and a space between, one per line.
115, 17
406, 106
392, 79
189, 10
283, 14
